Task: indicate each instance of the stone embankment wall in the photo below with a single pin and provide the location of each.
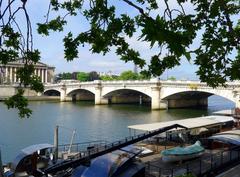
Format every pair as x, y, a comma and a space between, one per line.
7, 91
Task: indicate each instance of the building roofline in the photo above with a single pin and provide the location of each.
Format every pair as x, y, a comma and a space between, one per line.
37, 64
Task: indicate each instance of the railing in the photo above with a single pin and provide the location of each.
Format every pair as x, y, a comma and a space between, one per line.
82, 147
179, 83
211, 164
94, 152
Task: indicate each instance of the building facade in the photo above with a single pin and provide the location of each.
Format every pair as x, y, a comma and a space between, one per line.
8, 72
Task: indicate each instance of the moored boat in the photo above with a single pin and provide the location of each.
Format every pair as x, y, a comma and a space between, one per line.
30, 160
182, 153
119, 163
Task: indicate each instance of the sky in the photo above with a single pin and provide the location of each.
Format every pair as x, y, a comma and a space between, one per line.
52, 49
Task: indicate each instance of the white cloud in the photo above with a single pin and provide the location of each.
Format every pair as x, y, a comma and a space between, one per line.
103, 64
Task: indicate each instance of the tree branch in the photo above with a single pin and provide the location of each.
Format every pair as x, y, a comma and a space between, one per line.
8, 6
136, 7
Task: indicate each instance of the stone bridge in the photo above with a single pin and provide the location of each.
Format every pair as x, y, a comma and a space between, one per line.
160, 94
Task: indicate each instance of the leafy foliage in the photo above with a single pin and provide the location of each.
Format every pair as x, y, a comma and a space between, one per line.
173, 30
19, 102
65, 76
126, 75
172, 78
82, 76
15, 45
109, 78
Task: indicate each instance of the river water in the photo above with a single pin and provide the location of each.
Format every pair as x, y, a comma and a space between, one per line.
105, 122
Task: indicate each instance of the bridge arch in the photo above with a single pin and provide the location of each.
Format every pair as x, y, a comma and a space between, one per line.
140, 90
81, 95
126, 95
51, 92
192, 98
196, 93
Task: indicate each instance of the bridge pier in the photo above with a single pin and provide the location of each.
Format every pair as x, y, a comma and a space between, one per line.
63, 94
99, 100
157, 103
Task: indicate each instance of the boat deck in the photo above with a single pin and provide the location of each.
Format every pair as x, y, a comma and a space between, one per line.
211, 160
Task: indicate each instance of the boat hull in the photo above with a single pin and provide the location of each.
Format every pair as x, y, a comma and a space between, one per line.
176, 158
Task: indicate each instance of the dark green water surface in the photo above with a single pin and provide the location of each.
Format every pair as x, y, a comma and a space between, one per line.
108, 122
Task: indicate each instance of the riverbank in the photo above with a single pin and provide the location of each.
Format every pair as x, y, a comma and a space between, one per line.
37, 98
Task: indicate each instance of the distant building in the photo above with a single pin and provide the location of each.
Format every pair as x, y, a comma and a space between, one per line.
109, 73
8, 72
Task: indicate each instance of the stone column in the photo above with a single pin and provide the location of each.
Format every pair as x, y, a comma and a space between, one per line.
6, 73
155, 97
43, 76
17, 79
39, 73
46, 76
11, 74
15, 75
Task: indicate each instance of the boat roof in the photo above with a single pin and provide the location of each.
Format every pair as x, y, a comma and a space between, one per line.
228, 137
107, 165
190, 123
28, 151
230, 132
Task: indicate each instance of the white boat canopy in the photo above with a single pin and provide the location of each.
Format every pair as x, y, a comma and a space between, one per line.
190, 123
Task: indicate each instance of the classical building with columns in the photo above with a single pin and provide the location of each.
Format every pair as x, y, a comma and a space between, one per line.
8, 72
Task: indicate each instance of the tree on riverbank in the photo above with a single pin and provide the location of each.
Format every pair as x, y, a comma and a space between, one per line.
93, 75
65, 76
167, 27
82, 76
126, 75
172, 78
129, 75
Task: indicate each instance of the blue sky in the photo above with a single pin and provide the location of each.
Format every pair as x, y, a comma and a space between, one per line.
52, 50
